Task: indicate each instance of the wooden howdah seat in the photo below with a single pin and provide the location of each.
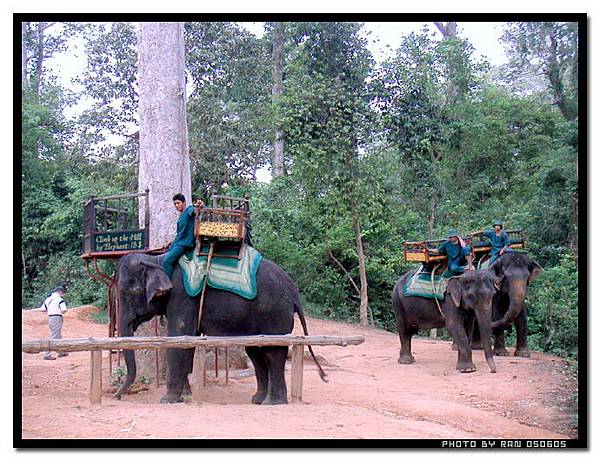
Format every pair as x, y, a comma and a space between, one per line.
421, 251
224, 226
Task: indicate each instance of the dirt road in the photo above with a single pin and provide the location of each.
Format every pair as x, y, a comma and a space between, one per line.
369, 395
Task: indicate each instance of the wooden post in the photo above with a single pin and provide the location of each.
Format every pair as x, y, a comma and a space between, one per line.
198, 371
226, 365
96, 377
216, 362
297, 371
156, 364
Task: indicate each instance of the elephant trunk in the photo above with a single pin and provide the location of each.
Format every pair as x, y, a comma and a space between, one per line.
517, 293
126, 329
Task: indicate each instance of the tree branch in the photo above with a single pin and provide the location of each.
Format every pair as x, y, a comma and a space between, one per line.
345, 271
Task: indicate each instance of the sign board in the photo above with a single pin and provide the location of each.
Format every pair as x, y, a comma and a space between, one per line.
119, 241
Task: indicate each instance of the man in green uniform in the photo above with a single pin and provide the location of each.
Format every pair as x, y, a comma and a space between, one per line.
499, 239
458, 254
184, 240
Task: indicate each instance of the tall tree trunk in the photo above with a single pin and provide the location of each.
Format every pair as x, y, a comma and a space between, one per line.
40, 58
553, 73
362, 268
449, 31
24, 57
432, 208
278, 38
164, 164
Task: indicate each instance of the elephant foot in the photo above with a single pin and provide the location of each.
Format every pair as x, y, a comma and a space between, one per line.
466, 368
406, 359
501, 352
273, 401
258, 398
171, 398
522, 352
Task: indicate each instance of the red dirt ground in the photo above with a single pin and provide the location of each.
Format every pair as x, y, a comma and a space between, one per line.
369, 395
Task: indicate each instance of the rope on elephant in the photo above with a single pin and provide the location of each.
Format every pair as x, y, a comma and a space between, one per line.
433, 289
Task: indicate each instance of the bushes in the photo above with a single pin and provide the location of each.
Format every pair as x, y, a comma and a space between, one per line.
68, 268
552, 309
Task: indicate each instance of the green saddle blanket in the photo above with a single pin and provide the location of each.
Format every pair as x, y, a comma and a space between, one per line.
484, 265
420, 285
230, 274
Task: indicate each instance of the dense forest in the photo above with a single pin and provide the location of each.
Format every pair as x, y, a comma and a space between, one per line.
363, 155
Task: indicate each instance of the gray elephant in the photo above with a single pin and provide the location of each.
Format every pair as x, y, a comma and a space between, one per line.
517, 271
145, 291
468, 296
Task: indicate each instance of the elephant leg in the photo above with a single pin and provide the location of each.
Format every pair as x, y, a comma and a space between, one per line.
470, 327
276, 389
177, 365
187, 390
261, 371
465, 356
179, 361
499, 347
405, 335
521, 326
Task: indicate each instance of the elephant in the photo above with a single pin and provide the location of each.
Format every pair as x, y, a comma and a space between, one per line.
517, 271
468, 296
145, 290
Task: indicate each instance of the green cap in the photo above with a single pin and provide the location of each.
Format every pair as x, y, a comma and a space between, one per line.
497, 222
452, 233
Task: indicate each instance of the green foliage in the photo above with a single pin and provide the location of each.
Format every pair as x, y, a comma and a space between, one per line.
550, 50
117, 376
229, 113
552, 308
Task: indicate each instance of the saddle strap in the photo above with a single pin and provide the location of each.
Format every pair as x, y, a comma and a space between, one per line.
201, 303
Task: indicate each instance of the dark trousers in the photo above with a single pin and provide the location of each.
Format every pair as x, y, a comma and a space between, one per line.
172, 257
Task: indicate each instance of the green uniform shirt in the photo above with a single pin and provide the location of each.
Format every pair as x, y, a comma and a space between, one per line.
185, 228
454, 252
498, 241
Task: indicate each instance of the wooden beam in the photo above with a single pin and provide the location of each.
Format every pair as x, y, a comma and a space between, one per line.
96, 377
198, 373
297, 371
182, 342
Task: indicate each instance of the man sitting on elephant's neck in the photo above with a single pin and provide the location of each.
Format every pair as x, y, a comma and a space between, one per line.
184, 240
458, 254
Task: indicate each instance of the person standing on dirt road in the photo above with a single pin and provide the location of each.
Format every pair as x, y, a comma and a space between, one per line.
55, 306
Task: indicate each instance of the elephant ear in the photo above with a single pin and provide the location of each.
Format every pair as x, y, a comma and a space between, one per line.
534, 270
456, 291
157, 281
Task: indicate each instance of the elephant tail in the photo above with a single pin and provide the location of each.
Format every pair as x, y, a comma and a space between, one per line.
300, 311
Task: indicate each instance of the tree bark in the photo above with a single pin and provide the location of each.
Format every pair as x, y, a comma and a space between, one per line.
164, 163
278, 38
448, 30
24, 57
362, 269
40, 58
